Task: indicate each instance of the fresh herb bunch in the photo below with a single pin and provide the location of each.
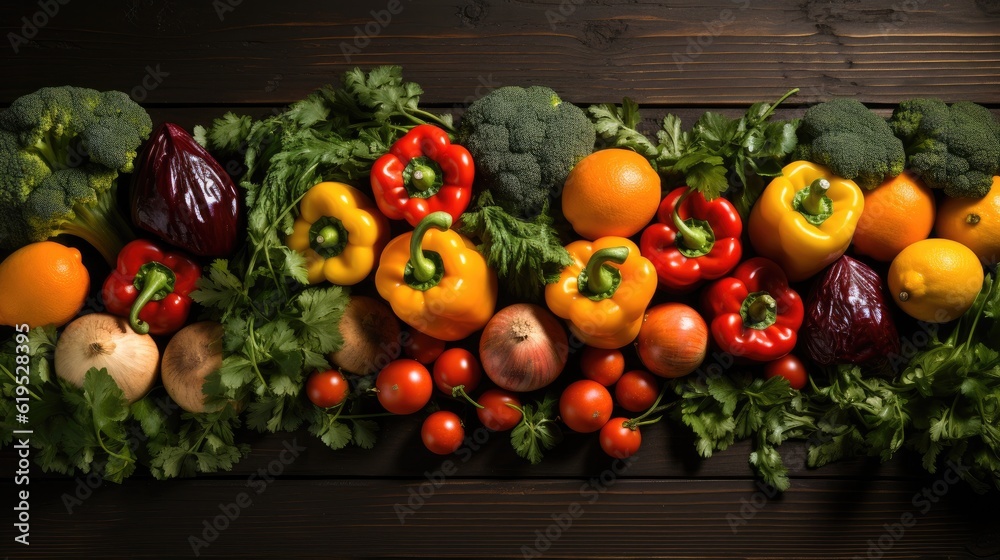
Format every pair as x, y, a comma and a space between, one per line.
752, 146
538, 431
278, 329
945, 404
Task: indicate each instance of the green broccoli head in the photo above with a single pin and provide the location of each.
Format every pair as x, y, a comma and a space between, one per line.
852, 141
524, 142
61, 150
955, 148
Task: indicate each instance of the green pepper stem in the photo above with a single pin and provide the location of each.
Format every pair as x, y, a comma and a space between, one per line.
423, 177
813, 202
761, 308
155, 279
600, 279
693, 237
424, 269
328, 237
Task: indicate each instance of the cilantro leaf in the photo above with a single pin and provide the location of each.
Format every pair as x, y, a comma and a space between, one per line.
538, 431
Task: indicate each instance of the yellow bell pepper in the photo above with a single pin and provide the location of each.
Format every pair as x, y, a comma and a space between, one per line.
805, 219
340, 232
436, 281
604, 292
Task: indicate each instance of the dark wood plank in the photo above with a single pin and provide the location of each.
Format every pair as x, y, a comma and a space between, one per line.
606, 516
658, 51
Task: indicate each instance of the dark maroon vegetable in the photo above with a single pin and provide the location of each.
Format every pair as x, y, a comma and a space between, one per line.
847, 319
184, 196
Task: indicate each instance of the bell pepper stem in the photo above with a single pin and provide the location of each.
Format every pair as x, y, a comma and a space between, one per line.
693, 237
762, 307
424, 269
423, 177
328, 237
154, 282
813, 202
599, 278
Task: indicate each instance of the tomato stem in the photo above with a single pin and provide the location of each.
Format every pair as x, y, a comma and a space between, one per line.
459, 391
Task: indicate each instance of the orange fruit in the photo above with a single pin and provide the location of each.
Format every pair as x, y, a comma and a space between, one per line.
898, 213
611, 192
935, 280
42, 283
973, 222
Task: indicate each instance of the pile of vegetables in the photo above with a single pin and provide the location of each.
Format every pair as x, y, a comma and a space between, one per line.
376, 259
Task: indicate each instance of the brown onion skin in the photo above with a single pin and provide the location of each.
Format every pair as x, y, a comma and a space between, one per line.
673, 340
523, 348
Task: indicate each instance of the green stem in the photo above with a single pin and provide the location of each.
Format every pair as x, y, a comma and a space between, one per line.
813, 202
601, 279
424, 269
328, 237
154, 281
459, 391
767, 114
13, 378
653, 409
762, 308
423, 177
100, 441
693, 237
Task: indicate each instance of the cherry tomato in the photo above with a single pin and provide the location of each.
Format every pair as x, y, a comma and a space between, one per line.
423, 348
585, 406
327, 388
404, 386
495, 414
636, 390
789, 367
457, 366
618, 441
442, 432
602, 366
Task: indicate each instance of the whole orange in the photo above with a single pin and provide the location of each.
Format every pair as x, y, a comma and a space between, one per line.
897, 214
973, 222
42, 283
611, 192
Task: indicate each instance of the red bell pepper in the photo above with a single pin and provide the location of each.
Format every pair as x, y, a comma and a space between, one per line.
151, 287
753, 313
423, 173
695, 240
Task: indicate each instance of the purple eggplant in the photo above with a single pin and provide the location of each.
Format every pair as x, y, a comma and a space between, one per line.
847, 319
182, 194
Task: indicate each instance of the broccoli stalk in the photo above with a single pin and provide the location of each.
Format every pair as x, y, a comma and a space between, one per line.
61, 150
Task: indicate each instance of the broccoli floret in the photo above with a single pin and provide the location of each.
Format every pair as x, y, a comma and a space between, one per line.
61, 150
852, 141
524, 142
954, 148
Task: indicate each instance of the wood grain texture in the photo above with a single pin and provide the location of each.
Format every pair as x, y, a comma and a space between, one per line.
672, 52
605, 516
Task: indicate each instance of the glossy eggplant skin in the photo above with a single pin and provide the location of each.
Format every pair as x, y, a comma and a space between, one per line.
184, 196
847, 318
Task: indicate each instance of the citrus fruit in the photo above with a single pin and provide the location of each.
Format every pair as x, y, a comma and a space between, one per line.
42, 283
974, 223
611, 192
935, 280
898, 213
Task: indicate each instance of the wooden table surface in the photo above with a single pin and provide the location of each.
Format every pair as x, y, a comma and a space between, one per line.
190, 61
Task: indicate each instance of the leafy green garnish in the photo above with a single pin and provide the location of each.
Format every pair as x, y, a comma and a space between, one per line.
751, 146
526, 255
538, 431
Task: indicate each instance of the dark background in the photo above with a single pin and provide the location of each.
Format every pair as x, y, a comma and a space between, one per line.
188, 62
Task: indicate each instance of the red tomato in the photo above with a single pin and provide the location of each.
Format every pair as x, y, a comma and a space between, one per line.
423, 348
455, 367
327, 388
585, 406
789, 367
495, 414
442, 432
618, 441
602, 366
404, 386
636, 390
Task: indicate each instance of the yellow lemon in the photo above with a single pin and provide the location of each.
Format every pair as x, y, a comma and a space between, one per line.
935, 280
